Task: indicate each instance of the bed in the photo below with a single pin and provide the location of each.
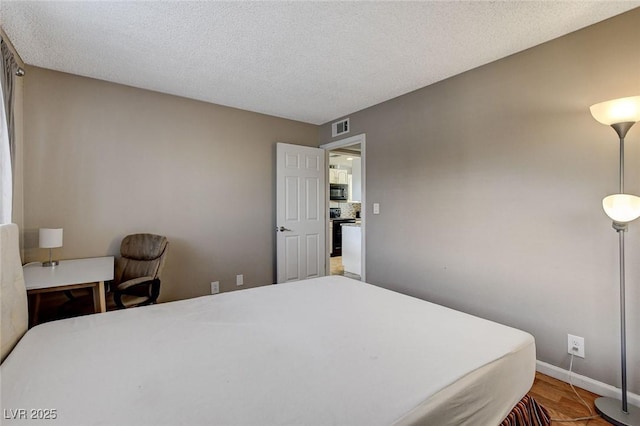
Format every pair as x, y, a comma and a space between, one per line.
325, 351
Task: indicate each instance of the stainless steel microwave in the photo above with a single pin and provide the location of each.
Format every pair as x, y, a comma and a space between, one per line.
338, 192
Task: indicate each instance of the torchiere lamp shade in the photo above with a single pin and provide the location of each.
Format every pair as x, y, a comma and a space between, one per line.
623, 110
622, 208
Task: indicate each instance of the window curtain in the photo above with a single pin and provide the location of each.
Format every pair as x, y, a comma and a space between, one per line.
9, 67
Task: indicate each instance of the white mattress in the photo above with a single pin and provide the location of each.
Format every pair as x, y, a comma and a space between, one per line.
325, 351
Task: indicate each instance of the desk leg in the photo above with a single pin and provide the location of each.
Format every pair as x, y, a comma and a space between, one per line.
36, 309
99, 301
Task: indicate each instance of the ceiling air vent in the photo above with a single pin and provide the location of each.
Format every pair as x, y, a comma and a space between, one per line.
340, 127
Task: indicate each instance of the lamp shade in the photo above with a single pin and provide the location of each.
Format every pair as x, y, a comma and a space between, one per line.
622, 208
623, 110
50, 237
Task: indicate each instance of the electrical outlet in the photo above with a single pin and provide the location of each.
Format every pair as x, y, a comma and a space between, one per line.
239, 279
575, 345
215, 287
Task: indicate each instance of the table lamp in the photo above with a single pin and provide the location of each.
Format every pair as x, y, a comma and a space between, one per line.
50, 238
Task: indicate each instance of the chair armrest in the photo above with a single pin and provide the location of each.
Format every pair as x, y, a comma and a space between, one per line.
133, 282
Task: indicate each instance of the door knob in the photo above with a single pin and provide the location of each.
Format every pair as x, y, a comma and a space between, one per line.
282, 229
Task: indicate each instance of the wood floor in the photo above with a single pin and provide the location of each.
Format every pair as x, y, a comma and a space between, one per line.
336, 265
337, 268
562, 403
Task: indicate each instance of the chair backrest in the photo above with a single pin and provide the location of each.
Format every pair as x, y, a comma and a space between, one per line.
13, 294
142, 255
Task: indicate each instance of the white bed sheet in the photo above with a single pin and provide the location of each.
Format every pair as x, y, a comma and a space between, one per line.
326, 351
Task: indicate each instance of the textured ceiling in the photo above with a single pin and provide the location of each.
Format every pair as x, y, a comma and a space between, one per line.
307, 61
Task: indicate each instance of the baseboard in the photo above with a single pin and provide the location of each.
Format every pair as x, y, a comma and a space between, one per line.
585, 382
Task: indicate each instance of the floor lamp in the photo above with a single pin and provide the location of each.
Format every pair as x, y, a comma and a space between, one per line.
621, 114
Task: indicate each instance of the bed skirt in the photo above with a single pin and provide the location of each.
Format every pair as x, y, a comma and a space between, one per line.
527, 412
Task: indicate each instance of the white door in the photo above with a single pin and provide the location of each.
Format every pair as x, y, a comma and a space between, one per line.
300, 212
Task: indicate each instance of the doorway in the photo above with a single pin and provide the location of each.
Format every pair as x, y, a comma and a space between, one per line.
345, 231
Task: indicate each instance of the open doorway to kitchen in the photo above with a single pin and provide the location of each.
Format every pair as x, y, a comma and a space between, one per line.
346, 200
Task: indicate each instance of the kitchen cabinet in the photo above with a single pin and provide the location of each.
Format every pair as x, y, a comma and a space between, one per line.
338, 176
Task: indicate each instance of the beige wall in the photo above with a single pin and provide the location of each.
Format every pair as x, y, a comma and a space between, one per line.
490, 186
103, 160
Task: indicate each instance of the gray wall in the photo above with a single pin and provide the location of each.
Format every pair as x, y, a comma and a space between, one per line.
490, 186
103, 160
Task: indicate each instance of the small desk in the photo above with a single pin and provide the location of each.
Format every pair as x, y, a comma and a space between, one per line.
70, 275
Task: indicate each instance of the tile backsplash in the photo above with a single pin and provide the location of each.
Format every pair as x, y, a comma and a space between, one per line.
347, 210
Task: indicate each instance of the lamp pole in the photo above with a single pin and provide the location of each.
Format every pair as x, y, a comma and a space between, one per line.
622, 129
608, 407
623, 332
